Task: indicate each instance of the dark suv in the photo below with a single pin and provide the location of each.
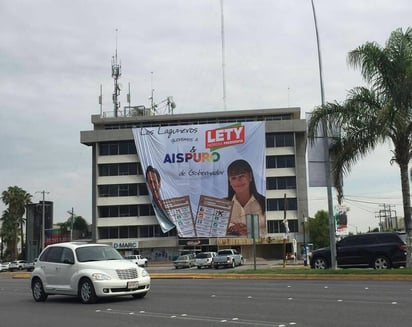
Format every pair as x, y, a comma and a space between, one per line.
376, 250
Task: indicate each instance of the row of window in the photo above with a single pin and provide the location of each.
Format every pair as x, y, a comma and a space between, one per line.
280, 161
284, 116
273, 140
116, 190
132, 168
126, 211
120, 169
135, 210
281, 183
142, 231
146, 231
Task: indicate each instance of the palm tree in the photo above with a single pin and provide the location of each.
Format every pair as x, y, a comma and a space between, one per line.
16, 199
370, 116
7, 232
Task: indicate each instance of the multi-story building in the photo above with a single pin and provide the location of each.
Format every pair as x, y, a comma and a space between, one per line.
35, 212
122, 213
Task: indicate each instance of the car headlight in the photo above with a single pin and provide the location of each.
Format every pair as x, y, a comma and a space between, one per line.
101, 276
145, 273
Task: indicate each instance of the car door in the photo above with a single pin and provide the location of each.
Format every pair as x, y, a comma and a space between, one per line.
49, 262
352, 251
65, 270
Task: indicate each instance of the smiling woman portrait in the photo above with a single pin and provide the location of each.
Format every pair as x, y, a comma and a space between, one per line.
246, 199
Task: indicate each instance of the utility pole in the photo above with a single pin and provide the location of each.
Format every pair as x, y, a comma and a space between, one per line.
386, 213
71, 223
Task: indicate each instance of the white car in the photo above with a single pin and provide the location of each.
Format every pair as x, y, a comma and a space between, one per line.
17, 265
137, 259
89, 271
4, 266
204, 259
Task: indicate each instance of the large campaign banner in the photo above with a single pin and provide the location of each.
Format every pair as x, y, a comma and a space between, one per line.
205, 179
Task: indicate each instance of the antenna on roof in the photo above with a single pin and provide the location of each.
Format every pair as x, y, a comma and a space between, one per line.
116, 73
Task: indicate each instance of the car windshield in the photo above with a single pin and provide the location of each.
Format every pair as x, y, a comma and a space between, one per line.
97, 253
182, 257
203, 255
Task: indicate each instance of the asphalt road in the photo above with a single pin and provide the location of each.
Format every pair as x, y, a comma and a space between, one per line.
219, 302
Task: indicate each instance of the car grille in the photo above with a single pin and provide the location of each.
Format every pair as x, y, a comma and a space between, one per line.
127, 273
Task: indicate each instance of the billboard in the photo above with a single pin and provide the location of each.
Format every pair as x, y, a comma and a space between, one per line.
204, 179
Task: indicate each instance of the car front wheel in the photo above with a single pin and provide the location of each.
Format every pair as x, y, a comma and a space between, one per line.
38, 292
86, 292
381, 262
320, 263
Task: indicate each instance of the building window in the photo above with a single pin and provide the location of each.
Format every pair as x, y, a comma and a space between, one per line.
277, 140
279, 204
143, 189
280, 161
277, 226
281, 183
117, 190
118, 169
118, 211
117, 148
143, 231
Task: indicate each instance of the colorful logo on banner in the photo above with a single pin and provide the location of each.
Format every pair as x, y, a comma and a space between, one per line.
204, 179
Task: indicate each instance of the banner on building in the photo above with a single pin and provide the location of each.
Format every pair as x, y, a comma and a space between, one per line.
204, 179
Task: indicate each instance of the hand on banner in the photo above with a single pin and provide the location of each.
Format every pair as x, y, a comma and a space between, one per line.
238, 229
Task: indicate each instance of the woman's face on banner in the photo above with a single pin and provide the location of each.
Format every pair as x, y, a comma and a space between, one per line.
240, 183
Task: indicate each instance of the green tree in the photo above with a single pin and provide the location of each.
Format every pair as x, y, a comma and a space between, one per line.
16, 199
80, 226
7, 234
370, 116
319, 229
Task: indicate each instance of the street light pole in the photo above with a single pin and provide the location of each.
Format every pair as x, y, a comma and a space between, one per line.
332, 229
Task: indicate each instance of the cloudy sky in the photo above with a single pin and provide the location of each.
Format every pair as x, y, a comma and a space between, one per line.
54, 55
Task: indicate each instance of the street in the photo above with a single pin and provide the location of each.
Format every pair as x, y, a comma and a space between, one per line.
189, 302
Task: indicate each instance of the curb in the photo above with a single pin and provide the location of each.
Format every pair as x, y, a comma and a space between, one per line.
281, 276
24, 275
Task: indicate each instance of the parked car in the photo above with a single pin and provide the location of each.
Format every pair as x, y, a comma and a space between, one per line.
17, 265
185, 261
89, 271
29, 266
137, 259
4, 266
204, 259
375, 250
227, 258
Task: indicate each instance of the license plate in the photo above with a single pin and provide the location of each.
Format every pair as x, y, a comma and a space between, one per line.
132, 284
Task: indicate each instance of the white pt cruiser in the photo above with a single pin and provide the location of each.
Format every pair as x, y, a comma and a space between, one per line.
88, 271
